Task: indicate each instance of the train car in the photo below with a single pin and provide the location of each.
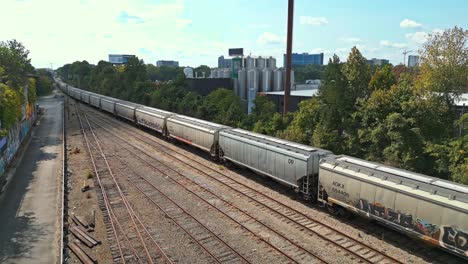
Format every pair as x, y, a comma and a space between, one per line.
126, 110
152, 118
95, 100
76, 94
108, 104
199, 133
431, 209
287, 162
85, 96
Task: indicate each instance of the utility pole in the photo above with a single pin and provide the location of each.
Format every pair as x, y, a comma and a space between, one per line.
404, 55
287, 83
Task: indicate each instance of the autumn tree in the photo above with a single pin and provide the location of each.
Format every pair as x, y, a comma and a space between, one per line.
444, 63
383, 78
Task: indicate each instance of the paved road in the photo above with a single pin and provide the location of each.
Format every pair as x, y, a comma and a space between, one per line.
30, 207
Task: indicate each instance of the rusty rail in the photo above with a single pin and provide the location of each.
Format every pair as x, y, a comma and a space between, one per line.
309, 225
110, 211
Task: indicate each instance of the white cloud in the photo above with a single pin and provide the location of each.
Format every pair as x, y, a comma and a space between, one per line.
351, 40
408, 23
417, 37
342, 50
321, 50
387, 43
267, 38
315, 21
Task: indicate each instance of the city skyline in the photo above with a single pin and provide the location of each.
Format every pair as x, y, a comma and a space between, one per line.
182, 30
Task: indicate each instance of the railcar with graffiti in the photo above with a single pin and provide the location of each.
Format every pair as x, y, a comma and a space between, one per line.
430, 209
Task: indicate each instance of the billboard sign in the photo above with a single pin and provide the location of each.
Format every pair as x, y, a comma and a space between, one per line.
236, 52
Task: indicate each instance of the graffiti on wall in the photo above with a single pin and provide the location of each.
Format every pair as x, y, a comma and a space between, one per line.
9, 145
448, 236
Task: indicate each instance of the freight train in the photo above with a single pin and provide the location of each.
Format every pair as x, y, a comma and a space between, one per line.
427, 208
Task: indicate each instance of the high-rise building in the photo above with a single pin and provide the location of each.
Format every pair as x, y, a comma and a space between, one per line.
119, 58
224, 63
413, 60
298, 59
377, 62
168, 63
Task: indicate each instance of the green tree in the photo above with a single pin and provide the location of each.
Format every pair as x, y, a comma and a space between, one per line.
304, 122
222, 106
10, 107
383, 78
15, 62
202, 69
357, 73
44, 83
444, 63
308, 72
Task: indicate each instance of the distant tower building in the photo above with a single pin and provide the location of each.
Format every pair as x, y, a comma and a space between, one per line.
413, 60
224, 63
119, 58
300, 59
377, 62
168, 63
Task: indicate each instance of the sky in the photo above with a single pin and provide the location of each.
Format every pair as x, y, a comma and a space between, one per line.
196, 32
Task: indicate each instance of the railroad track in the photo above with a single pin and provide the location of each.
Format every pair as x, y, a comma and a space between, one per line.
353, 247
292, 250
127, 234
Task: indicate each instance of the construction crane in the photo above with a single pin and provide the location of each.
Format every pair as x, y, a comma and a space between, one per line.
404, 55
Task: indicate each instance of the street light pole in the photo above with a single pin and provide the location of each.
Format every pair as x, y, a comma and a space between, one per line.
287, 84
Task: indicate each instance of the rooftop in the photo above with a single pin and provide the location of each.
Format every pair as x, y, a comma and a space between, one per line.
301, 93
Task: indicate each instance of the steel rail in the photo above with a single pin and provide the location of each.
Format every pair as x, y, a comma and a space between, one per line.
218, 197
130, 210
103, 192
122, 196
267, 197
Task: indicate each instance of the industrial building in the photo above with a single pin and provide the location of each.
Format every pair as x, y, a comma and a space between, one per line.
224, 63
257, 73
119, 58
302, 59
295, 98
168, 63
413, 60
377, 62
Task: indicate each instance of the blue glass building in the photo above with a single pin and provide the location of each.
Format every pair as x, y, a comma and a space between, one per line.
298, 59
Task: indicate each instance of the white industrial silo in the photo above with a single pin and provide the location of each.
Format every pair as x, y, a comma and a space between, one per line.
242, 80
249, 62
253, 79
227, 73
271, 63
260, 63
267, 80
277, 80
283, 70
214, 73
188, 72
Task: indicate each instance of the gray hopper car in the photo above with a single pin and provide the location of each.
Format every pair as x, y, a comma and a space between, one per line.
75, 93
152, 118
85, 96
126, 110
108, 104
95, 100
199, 133
287, 162
424, 207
